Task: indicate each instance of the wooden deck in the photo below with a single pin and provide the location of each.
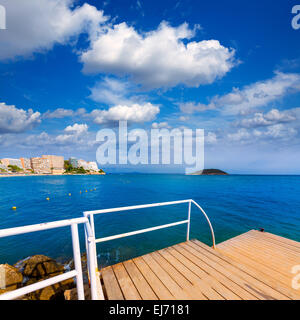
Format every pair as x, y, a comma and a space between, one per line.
252, 266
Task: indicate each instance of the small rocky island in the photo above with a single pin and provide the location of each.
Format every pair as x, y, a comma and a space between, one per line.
210, 172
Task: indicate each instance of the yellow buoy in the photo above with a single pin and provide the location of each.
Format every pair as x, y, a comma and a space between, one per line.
69, 194
14, 208
85, 190
47, 199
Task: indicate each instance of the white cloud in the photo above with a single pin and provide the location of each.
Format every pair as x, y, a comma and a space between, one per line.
277, 131
243, 101
272, 117
111, 91
241, 134
259, 94
77, 128
159, 58
160, 125
36, 25
134, 113
211, 138
63, 113
74, 134
14, 120
192, 107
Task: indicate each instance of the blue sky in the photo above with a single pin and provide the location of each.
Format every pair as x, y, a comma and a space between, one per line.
69, 68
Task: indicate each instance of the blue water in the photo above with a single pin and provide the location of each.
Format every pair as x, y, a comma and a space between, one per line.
235, 204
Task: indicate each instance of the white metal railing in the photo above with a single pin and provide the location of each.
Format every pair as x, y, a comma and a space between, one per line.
91, 241
76, 273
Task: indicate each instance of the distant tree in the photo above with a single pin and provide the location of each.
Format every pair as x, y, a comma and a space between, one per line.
68, 167
14, 168
101, 171
80, 170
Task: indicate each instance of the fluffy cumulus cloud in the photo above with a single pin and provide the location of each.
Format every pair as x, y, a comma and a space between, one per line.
73, 134
77, 128
14, 120
36, 25
164, 57
133, 113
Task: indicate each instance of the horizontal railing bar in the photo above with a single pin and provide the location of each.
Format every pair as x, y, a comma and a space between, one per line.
40, 227
128, 234
37, 286
136, 207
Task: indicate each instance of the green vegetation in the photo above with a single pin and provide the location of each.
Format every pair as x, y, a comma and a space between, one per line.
70, 169
101, 171
14, 168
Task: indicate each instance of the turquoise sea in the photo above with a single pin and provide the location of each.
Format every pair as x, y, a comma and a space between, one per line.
235, 204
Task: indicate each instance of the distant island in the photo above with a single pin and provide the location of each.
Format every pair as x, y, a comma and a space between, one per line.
210, 172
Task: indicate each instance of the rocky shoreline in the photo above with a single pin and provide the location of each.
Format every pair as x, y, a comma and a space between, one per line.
38, 268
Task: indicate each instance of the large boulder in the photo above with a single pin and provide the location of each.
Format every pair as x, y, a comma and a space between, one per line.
54, 292
71, 294
38, 268
10, 278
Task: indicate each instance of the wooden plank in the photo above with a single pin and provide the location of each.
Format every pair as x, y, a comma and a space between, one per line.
262, 236
171, 284
139, 281
129, 290
157, 286
177, 276
282, 259
251, 254
264, 274
289, 253
236, 284
290, 242
256, 278
197, 276
111, 284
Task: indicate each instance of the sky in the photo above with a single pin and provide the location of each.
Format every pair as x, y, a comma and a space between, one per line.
70, 68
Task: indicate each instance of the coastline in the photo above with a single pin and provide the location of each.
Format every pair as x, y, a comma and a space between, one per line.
51, 175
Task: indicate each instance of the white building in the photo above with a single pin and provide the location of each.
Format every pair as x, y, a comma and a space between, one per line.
90, 166
93, 166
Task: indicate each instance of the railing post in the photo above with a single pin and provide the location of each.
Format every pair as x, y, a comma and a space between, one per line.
93, 230
210, 226
77, 261
188, 225
96, 292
